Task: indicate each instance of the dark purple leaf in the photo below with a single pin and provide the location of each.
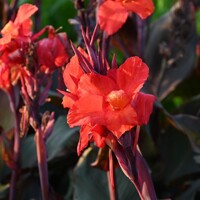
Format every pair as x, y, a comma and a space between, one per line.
171, 50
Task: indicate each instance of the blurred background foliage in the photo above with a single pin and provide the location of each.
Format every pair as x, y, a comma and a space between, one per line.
170, 143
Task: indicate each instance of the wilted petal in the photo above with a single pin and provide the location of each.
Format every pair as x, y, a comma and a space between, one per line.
111, 16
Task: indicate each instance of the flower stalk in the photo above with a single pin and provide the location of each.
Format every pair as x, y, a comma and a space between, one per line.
111, 178
42, 164
16, 146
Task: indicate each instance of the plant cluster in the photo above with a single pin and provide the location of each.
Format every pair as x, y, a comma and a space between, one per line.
129, 87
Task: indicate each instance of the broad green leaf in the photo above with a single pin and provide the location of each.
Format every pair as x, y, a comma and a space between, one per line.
57, 13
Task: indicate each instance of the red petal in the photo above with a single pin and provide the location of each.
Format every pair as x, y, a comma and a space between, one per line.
143, 8
25, 12
51, 52
98, 135
88, 109
120, 121
9, 28
111, 16
84, 138
68, 99
72, 74
131, 75
25, 29
96, 84
143, 104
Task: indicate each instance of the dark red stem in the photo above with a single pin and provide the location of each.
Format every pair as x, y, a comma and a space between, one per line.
42, 164
16, 147
111, 178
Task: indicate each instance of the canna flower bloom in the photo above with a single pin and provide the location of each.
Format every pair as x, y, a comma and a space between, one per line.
51, 51
88, 132
21, 27
15, 36
106, 103
112, 14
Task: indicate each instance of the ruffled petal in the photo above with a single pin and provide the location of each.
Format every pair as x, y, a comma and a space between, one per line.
25, 12
120, 121
84, 139
87, 109
143, 8
96, 84
111, 16
98, 133
143, 104
68, 99
51, 52
131, 75
72, 74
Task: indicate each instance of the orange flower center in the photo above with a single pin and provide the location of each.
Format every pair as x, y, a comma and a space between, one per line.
118, 99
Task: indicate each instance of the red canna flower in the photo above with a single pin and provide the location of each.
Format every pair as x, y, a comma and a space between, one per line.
112, 14
110, 102
13, 48
21, 27
88, 132
51, 51
114, 100
107, 104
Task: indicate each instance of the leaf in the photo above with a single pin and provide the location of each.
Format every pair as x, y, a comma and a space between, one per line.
3, 191
191, 107
88, 181
28, 152
57, 15
189, 125
190, 193
176, 155
171, 50
63, 140
29, 187
6, 115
